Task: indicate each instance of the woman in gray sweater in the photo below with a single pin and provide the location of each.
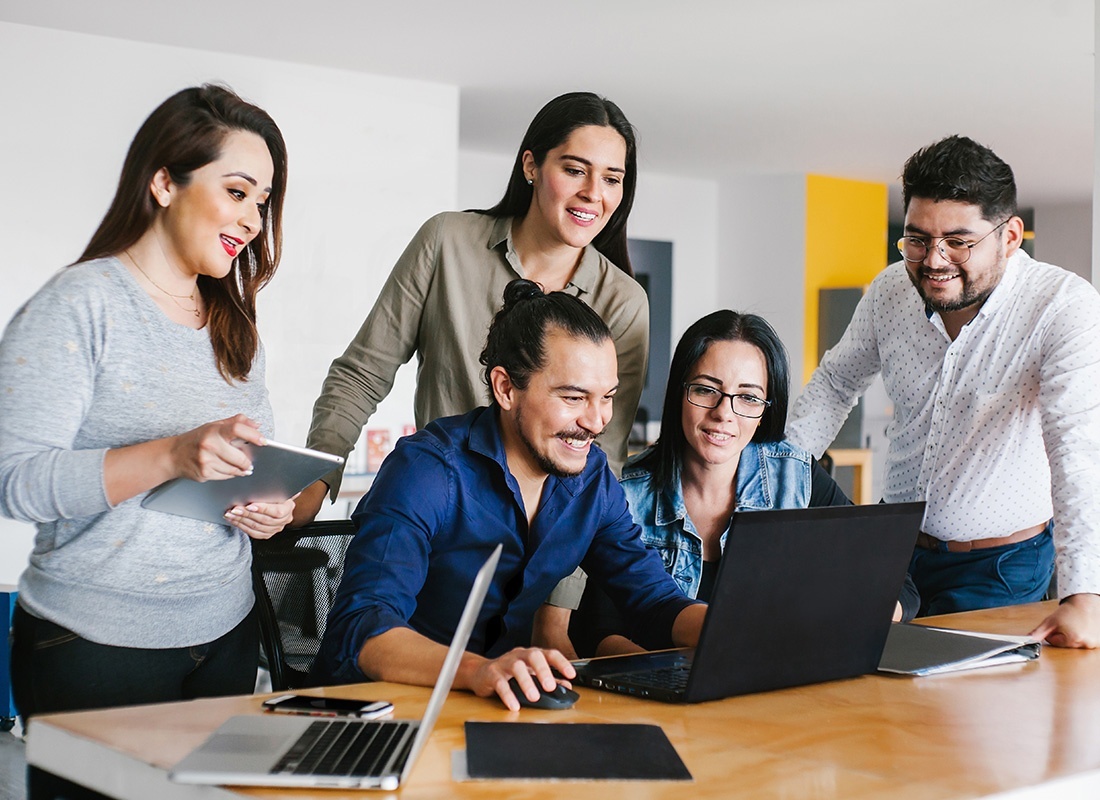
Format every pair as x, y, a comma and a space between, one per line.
138, 364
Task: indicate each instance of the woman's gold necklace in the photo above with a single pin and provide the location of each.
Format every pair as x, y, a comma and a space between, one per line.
174, 297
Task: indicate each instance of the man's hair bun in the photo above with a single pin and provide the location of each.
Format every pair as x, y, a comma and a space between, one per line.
520, 291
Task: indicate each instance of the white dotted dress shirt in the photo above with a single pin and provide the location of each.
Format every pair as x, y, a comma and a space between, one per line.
996, 431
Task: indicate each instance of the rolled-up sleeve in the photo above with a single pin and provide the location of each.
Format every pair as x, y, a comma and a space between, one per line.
1070, 413
845, 373
387, 561
630, 332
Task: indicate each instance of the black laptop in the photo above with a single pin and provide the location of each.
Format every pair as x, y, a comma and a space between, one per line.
802, 596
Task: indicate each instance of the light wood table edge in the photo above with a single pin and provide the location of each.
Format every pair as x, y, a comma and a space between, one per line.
53, 746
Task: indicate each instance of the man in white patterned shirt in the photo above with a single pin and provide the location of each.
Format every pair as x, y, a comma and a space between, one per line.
992, 361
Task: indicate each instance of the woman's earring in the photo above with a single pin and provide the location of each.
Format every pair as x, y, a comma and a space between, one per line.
530, 182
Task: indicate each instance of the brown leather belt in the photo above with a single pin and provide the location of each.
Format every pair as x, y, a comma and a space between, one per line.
932, 543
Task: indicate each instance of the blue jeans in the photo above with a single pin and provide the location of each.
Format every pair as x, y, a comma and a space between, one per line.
997, 576
54, 669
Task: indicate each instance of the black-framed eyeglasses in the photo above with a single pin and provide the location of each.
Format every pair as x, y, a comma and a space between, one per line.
743, 405
956, 251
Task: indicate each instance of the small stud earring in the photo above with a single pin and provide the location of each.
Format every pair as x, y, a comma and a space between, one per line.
530, 182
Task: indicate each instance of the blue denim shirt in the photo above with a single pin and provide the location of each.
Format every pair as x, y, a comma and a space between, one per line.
441, 502
769, 475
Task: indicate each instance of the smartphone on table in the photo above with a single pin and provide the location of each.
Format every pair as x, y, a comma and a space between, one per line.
328, 706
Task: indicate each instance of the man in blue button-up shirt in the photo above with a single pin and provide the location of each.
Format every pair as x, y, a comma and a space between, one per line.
522, 472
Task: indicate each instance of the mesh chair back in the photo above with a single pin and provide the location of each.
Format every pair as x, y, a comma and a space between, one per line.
295, 575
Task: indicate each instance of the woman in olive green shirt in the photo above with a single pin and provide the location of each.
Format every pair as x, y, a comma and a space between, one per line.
561, 223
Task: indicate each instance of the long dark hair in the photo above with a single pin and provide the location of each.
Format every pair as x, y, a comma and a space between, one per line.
517, 335
550, 128
666, 458
184, 133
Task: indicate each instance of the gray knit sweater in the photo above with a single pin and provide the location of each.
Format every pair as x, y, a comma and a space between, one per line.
90, 363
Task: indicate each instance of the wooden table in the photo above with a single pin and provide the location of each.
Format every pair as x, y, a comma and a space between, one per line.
1032, 727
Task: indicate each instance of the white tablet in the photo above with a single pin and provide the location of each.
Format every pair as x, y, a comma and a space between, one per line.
279, 471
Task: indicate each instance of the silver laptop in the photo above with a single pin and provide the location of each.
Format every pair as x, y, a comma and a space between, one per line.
279, 471
292, 751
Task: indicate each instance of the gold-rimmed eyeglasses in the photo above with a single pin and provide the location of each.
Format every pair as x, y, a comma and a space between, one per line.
914, 249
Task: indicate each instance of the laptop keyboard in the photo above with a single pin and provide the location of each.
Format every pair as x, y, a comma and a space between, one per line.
344, 747
674, 678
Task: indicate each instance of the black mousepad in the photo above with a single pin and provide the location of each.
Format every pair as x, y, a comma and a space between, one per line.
571, 751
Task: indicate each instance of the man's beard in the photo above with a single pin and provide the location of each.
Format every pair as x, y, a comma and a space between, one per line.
545, 463
968, 298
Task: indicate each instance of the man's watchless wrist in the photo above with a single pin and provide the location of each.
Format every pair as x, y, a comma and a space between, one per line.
1079, 594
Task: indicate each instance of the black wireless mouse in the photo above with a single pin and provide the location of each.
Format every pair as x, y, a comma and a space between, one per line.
559, 699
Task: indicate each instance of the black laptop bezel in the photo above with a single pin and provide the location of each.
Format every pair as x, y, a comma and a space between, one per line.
761, 621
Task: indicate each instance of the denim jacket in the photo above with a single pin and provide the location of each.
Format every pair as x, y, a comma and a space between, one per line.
769, 475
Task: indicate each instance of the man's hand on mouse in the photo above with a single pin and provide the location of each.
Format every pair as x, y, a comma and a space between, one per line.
528, 665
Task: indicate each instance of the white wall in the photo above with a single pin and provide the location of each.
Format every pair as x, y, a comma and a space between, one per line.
762, 249
370, 159
482, 178
1063, 236
683, 211
1096, 162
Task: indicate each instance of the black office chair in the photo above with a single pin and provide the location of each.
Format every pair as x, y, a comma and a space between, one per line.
295, 576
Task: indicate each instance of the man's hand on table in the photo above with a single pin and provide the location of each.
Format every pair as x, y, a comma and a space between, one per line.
530, 666
1075, 623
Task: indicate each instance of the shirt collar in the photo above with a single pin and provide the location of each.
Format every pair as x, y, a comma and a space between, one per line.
584, 276
500, 233
753, 490
485, 435
1004, 289
670, 506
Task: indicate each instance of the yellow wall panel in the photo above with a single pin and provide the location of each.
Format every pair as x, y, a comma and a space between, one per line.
846, 228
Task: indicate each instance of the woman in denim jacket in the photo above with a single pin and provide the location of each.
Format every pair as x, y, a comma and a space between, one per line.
728, 388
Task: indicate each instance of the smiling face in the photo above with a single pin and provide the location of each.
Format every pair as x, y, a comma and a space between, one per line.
578, 186
961, 289
549, 427
205, 224
715, 437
